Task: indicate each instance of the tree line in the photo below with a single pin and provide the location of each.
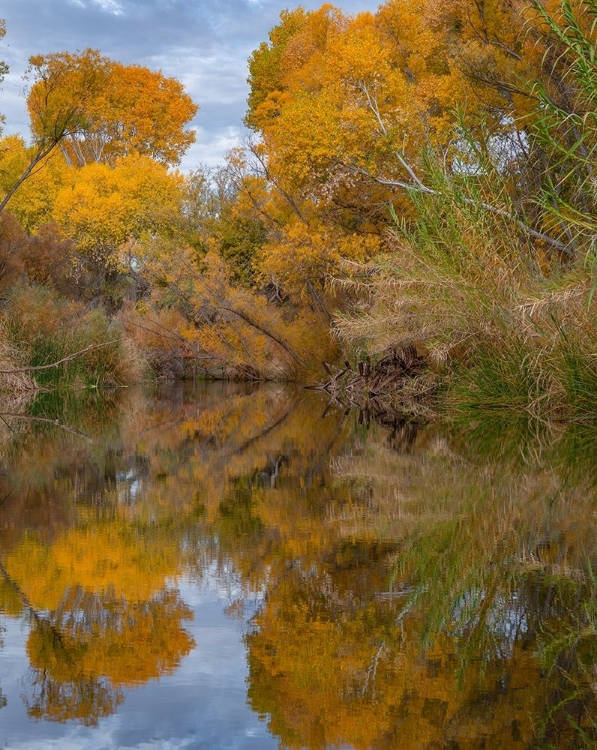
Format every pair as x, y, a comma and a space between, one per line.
419, 176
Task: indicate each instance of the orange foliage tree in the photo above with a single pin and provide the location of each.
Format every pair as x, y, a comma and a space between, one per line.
98, 110
345, 108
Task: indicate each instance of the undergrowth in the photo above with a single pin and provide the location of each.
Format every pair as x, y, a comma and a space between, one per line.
45, 328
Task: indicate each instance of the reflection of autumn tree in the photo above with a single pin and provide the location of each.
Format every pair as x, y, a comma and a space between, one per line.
102, 615
91, 648
166, 459
131, 504
85, 699
331, 667
490, 572
484, 633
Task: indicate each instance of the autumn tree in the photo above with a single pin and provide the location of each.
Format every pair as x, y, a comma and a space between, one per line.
33, 202
99, 110
135, 111
110, 211
62, 85
347, 107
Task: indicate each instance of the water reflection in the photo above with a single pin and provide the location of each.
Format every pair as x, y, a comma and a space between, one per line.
397, 587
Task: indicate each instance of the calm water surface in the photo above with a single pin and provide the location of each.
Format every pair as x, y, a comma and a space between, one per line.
236, 567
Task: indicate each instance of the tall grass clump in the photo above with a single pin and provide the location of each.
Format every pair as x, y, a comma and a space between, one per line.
45, 328
504, 326
494, 275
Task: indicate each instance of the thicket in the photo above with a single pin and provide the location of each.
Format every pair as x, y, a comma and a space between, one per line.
419, 177
506, 317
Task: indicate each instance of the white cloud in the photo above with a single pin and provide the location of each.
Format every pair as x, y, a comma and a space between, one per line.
210, 148
108, 6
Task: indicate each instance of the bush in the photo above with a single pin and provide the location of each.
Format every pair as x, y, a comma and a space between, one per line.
45, 328
505, 326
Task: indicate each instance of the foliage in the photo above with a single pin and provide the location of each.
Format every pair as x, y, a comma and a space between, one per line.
501, 308
96, 109
45, 328
421, 175
108, 109
109, 210
230, 327
568, 130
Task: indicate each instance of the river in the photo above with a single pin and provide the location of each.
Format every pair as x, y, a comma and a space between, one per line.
234, 566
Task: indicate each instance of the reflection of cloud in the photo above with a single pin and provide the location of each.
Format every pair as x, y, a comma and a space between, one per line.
202, 706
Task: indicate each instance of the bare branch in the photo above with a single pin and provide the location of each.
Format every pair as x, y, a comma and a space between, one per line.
374, 107
496, 210
59, 362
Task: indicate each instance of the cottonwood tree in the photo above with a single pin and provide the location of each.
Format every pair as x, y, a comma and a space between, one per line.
345, 108
98, 110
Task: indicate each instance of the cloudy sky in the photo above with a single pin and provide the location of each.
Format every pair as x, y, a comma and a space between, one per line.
203, 43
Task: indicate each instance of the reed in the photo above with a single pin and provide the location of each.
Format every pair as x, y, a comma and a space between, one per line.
492, 274
504, 325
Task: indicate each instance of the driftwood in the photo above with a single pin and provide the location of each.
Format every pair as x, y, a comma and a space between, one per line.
375, 389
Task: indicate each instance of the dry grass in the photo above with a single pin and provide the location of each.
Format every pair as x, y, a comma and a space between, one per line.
39, 327
505, 326
17, 391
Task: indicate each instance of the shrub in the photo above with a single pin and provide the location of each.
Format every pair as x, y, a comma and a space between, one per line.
46, 328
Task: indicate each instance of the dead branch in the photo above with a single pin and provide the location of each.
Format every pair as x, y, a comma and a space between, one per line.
37, 368
223, 304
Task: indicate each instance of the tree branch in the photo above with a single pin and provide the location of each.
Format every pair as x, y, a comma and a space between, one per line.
496, 210
37, 368
224, 305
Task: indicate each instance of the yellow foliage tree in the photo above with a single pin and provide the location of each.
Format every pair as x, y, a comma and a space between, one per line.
347, 106
100, 110
103, 207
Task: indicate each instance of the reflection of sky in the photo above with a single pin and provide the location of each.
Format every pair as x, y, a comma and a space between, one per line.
129, 486
203, 705
506, 619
